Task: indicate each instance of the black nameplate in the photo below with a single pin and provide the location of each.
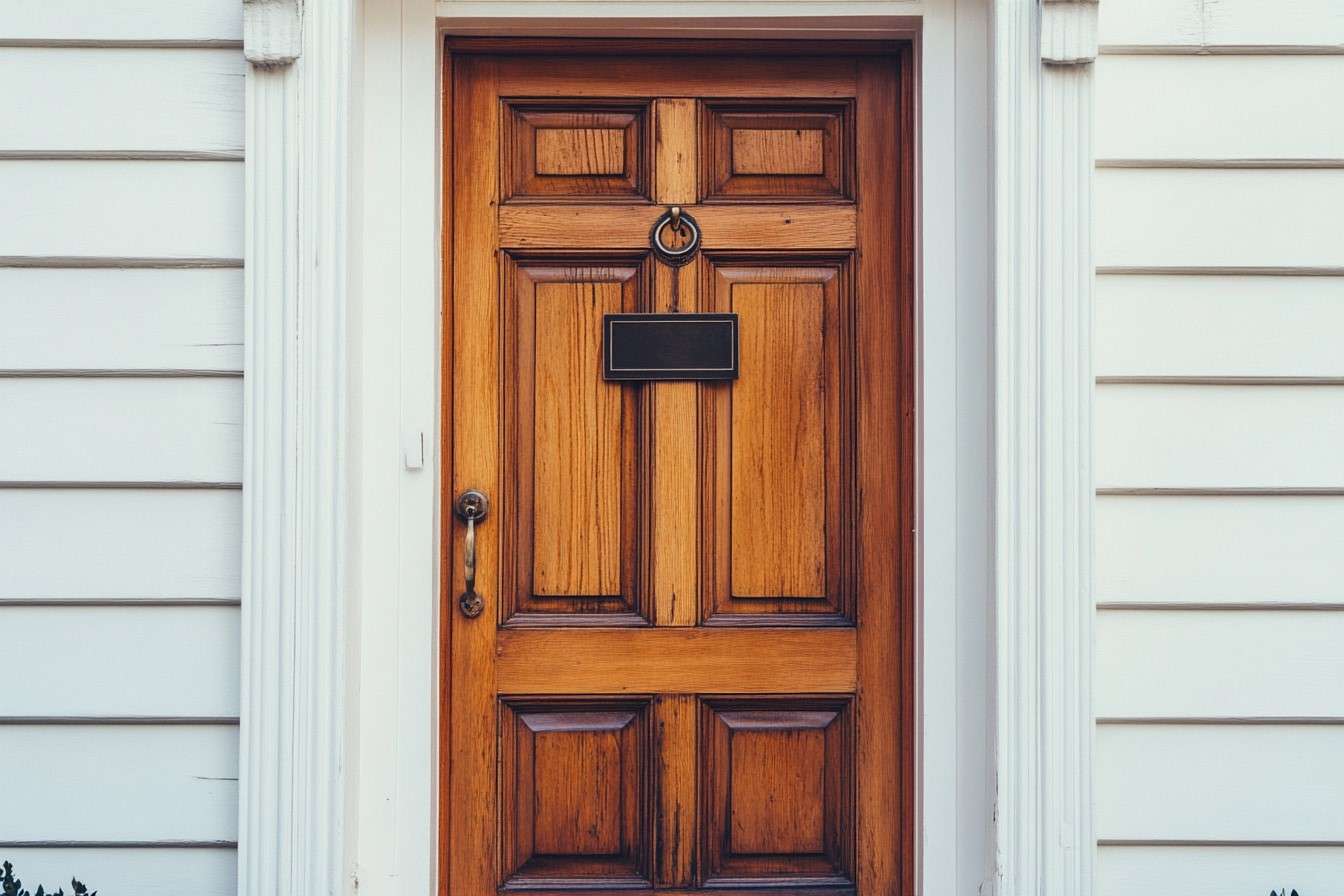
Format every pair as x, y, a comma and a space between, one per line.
669, 347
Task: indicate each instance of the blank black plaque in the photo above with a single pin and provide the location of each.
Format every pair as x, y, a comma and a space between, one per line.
669, 347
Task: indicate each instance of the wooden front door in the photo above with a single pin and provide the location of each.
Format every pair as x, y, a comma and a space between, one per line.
693, 669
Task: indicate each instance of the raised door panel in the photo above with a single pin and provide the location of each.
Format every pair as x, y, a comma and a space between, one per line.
778, 780
785, 151
571, 531
575, 149
779, 456
575, 793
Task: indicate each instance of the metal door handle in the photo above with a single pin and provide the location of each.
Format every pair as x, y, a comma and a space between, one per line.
471, 507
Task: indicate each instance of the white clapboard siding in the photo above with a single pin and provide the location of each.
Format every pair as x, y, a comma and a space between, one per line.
80, 100
1218, 871
1162, 22
80, 661
1191, 664
121, 20
128, 319
1218, 326
1286, 23
1199, 218
164, 871
119, 782
1174, 436
1220, 549
1231, 23
119, 429
138, 209
120, 255
1220, 107
120, 543
1273, 783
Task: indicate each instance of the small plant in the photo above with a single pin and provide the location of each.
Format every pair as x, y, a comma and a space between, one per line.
12, 886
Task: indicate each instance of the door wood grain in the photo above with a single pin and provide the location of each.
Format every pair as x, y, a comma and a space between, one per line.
694, 671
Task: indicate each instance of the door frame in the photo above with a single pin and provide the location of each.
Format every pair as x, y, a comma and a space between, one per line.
903, 51
340, 544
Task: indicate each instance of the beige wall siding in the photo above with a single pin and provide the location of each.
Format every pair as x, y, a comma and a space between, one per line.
1220, 419
121, 163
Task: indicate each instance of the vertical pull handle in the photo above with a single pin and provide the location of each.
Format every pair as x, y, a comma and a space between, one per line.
471, 507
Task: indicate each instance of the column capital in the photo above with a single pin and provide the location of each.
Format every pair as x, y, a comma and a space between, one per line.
272, 31
1068, 32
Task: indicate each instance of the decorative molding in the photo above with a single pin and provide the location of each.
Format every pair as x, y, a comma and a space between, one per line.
1068, 32
272, 31
1043, 433
292, 812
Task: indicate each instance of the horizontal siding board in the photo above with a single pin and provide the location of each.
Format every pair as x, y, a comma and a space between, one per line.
1235, 23
1172, 436
77, 100
1219, 326
109, 209
116, 429
1288, 23
149, 661
1217, 871
1219, 107
1219, 549
121, 20
120, 543
130, 872
1192, 218
1220, 782
1191, 664
99, 319
1133, 22
119, 782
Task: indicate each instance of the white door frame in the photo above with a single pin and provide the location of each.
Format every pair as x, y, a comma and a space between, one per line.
340, 716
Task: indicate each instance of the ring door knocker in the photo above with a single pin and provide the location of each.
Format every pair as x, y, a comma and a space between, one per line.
471, 507
679, 222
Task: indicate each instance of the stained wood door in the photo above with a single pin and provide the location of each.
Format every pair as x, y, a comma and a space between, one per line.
694, 665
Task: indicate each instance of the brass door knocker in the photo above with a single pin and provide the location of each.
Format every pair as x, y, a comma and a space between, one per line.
680, 222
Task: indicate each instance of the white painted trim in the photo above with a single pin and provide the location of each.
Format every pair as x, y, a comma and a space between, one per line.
385, 766
1068, 32
291, 784
272, 31
394, 381
1044, 606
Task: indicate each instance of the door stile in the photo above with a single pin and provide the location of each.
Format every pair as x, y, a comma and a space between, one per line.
475, 433
885, 487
